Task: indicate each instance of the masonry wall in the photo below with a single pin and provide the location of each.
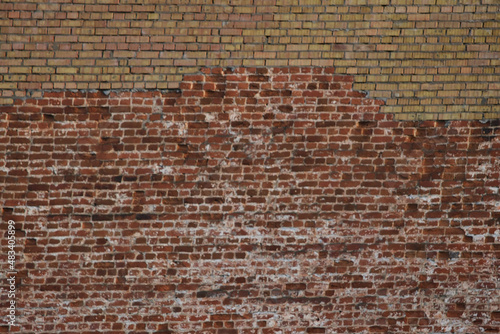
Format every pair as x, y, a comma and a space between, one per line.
250, 166
250, 200
428, 59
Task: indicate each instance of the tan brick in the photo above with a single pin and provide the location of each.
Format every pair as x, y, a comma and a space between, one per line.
8, 85
110, 70
84, 77
253, 62
422, 40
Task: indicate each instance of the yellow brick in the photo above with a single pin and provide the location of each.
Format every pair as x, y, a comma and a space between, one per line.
351, 17
492, 115
161, 63
67, 70
406, 93
153, 16
409, 86
154, 77
267, 48
377, 78
254, 40
298, 32
20, 69
331, 55
170, 54
196, 54
344, 63
422, 94
468, 78
362, 71
471, 116
359, 25
457, 32
112, 70
185, 70
329, 17
165, 24
310, 54
265, 55
285, 17
208, 39
390, 63
306, 2
108, 77
208, 62
425, 117
296, 47
124, 54
456, 108
43, 69
120, 85
454, 86
244, 10
367, 63
90, 54
432, 109
166, 70
14, 77
393, 109
476, 86
230, 62
448, 93
364, 86
274, 32
72, 8
390, 87
481, 32
299, 62
253, 62
100, 62
448, 116
288, 55
222, 55
61, 78
341, 25
276, 62
8, 85
85, 77
479, 108
320, 62
48, 7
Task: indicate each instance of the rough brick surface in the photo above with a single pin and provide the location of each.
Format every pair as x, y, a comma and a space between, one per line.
429, 59
249, 201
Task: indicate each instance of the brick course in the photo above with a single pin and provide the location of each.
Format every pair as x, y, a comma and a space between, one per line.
248, 200
434, 59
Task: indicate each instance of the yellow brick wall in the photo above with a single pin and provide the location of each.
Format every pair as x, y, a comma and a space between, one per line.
429, 59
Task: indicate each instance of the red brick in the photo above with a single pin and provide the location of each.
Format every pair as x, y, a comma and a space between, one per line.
195, 207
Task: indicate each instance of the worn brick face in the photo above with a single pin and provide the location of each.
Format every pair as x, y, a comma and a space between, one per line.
249, 200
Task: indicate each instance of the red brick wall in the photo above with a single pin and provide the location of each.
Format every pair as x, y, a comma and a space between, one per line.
250, 200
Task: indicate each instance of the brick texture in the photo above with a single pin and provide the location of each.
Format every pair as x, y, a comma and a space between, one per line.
249, 200
428, 59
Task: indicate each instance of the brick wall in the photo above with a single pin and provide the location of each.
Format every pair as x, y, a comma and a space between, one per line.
249, 200
428, 59
251, 166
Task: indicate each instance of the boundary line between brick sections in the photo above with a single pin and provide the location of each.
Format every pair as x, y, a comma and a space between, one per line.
207, 70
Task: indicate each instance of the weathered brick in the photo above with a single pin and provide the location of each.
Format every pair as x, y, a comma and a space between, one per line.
249, 188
